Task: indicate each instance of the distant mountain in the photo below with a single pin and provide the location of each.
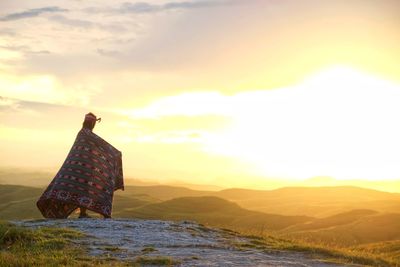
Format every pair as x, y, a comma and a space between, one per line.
313, 201
201, 187
323, 194
163, 192
381, 185
291, 201
25, 178
213, 211
302, 201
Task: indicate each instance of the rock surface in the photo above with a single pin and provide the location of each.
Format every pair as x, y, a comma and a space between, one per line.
187, 243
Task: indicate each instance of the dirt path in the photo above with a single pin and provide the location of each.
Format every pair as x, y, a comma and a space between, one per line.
189, 243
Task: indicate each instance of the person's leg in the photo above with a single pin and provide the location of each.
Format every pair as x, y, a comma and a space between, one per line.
83, 213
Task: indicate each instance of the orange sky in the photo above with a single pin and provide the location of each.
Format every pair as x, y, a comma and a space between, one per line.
234, 93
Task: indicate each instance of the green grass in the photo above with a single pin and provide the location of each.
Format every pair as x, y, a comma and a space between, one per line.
44, 247
388, 250
24, 247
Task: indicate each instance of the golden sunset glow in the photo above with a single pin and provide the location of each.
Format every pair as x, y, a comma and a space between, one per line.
255, 94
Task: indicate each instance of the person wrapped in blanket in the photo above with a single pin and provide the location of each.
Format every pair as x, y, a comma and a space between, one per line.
87, 179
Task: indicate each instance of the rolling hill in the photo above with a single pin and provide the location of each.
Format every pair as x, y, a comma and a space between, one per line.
293, 201
332, 221
212, 211
19, 202
163, 192
349, 229
313, 201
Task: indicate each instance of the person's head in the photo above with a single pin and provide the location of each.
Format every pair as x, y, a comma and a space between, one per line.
90, 121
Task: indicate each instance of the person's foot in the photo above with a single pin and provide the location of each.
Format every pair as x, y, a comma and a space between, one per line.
84, 216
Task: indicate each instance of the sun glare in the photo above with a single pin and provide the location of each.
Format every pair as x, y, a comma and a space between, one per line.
339, 122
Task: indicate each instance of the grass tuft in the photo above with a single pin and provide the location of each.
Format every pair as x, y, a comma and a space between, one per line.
149, 249
10, 235
159, 260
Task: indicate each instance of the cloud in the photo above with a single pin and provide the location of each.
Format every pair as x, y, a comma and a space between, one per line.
8, 32
170, 137
72, 22
45, 89
145, 7
80, 42
108, 53
24, 49
199, 4
196, 40
30, 13
187, 104
15, 47
86, 24
20, 108
8, 103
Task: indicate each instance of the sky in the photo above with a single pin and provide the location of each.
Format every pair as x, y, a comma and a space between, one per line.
235, 93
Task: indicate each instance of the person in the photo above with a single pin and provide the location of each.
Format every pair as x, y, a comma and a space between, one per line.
88, 123
87, 179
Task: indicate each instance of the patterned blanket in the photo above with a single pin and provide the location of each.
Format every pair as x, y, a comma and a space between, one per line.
88, 178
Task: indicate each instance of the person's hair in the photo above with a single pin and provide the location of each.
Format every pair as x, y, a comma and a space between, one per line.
88, 124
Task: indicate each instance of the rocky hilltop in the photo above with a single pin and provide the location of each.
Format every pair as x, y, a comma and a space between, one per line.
177, 243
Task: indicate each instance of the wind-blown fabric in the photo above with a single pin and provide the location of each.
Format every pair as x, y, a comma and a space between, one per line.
88, 178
